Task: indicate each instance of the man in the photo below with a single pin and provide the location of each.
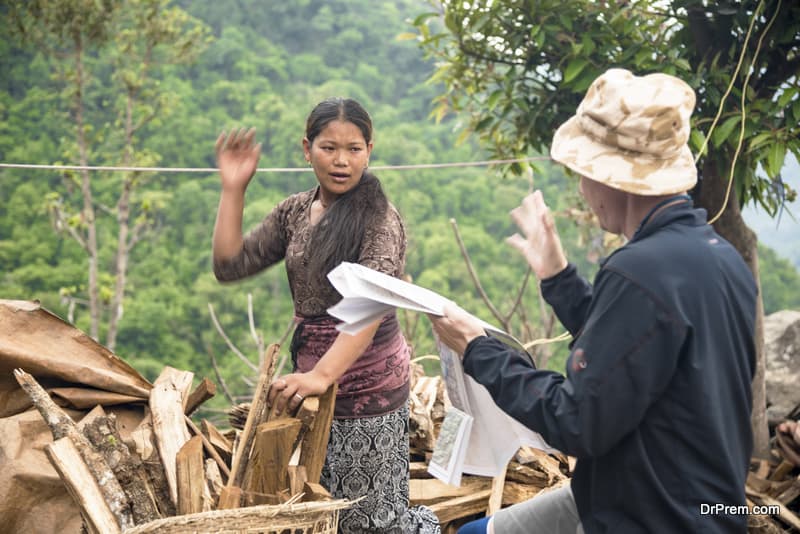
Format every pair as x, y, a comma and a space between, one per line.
655, 404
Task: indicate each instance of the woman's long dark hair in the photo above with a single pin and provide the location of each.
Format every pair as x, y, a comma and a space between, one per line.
338, 235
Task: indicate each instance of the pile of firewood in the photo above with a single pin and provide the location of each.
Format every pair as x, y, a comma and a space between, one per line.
271, 461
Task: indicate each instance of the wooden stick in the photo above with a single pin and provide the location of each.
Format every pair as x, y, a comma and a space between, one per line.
204, 391
459, 507
78, 479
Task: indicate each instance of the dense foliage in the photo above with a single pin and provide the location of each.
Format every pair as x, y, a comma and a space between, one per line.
265, 64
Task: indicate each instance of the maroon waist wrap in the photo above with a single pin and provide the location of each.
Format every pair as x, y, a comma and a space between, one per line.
376, 383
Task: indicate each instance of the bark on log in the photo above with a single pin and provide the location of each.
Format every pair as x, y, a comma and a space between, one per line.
102, 433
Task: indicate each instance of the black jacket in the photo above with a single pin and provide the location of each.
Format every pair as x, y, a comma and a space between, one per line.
656, 400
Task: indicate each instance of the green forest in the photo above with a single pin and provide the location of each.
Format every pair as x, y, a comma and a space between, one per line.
159, 81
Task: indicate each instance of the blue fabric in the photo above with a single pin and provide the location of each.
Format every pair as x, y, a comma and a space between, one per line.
475, 527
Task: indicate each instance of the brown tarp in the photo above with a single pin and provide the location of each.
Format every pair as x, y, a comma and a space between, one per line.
79, 374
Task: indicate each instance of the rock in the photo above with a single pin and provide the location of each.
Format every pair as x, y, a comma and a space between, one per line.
782, 348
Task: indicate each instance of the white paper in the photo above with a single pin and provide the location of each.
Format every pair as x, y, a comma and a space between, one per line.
492, 437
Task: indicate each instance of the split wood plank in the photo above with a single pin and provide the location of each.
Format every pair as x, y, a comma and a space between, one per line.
229, 498
272, 449
460, 507
204, 391
241, 454
496, 497
315, 492
167, 402
297, 479
221, 444
61, 425
208, 446
315, 443
81, 484
431, 490
191, 476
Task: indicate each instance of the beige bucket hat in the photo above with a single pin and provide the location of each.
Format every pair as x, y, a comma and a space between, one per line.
630, 133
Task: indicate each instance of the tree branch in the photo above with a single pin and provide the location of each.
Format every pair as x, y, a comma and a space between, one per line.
474, 277
221, 380
230, 344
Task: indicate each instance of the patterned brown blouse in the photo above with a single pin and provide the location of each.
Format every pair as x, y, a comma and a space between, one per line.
284, 233
378, 381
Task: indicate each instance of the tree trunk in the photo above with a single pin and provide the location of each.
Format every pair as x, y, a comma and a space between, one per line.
86, 192
732, 227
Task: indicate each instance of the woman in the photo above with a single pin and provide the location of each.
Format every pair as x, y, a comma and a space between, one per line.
346, 217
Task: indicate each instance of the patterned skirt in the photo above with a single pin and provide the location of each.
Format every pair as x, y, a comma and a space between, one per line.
368, 457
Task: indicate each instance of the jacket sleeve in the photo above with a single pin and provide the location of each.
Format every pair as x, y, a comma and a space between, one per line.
569, 295
619, 365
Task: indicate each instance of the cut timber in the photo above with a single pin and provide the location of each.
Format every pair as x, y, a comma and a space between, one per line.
208, 446
272, 449
315, 443
222, 444
515, 492
158, 482
167, 400
215, 483
230, 497
241, 454
80, 483
204, 391
297, 479
460, 507
190, 476
61, 425
429, 491
418, 470
496, 498
101, 431
315, 492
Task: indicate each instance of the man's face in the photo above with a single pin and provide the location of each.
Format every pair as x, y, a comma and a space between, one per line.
608, 204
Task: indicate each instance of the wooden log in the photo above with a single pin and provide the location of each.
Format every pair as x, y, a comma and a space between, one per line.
515, 492
314, 447
459, 507
101, 431
221, 443
418, 470
315, 492
272, 449
190, 476
496, 497
82, 486
430, 491
61, 425
204, 391
167, 402
241, 455
209, 448
214, 478
297, 479
230, 497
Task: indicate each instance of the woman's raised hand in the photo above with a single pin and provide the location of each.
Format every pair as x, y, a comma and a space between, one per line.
237, 158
